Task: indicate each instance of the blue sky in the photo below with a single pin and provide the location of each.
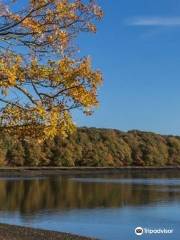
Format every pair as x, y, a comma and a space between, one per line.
137, 48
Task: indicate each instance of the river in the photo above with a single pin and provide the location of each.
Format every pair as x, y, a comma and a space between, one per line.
106, 206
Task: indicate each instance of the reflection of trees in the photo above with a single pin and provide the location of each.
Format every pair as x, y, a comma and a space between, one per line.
62, 193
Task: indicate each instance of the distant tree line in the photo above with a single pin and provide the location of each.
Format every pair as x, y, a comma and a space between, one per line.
93, 147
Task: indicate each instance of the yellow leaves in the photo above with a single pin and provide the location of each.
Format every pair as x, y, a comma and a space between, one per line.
97, 75
85, 70
64, 38
33, 25
10, 73
10, 70
60, 37
58, 121
36, 3
50, 39
41, 77
65, 66
37, 121
92, 27
38, 71
14, 17
97, 11
83, 96
41, 111
43, 15
52, 124
61, 5
69, 80
66, 9
53, 21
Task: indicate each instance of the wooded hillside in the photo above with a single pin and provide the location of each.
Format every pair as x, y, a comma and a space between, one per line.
93, 147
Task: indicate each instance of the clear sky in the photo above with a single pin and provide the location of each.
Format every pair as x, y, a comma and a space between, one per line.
137, 48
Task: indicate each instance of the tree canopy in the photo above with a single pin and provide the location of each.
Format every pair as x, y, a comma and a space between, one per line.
92, 147
41, 76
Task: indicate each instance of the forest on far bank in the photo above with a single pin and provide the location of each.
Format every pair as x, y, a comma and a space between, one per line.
93, 147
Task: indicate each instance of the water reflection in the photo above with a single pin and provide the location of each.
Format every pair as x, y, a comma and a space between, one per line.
140, 181
30, 196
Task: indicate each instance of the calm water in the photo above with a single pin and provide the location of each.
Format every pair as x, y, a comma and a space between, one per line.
103, 206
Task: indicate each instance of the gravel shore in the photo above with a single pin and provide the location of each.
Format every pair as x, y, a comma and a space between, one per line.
9, 232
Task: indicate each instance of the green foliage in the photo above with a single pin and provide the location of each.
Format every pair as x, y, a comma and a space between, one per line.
93, 147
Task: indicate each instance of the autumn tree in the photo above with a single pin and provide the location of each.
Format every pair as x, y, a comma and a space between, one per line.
16, 155
42, 79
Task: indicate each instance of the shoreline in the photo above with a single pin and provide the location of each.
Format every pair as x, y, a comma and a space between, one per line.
9, 232
53, 171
